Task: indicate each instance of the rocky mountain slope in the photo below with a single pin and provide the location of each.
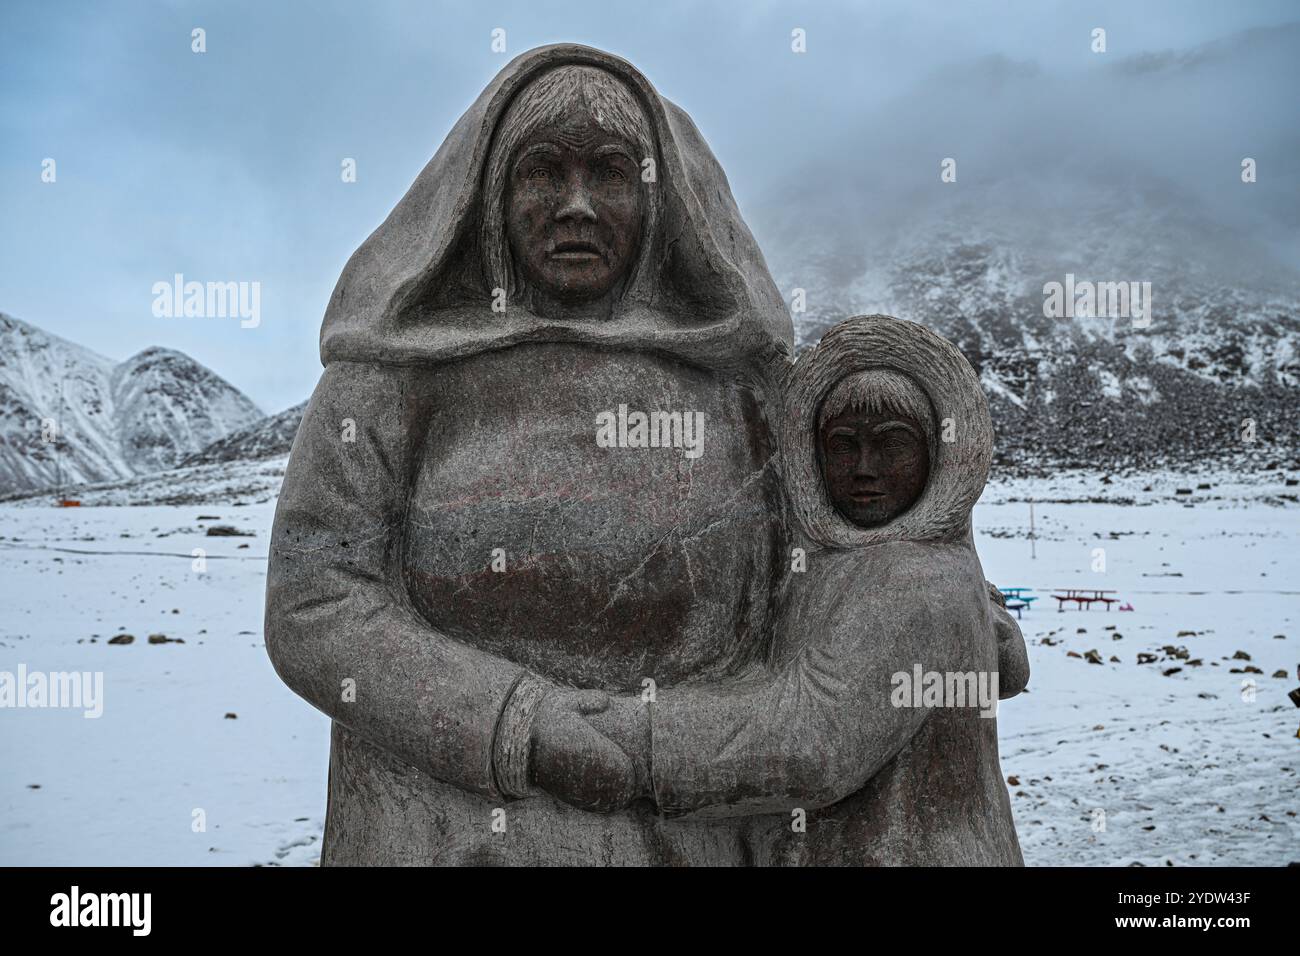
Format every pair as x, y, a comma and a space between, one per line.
1217, 372
268, 437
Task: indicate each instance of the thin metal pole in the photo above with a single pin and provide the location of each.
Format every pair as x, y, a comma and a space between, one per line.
58, 455
1033, 550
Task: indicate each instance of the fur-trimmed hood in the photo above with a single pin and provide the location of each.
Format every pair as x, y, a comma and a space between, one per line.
958, 467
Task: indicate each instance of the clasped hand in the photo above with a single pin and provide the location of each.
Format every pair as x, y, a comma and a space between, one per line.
591, 750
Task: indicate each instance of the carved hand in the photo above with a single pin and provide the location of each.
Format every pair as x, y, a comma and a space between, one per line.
573, 761
626, 721
1013, 656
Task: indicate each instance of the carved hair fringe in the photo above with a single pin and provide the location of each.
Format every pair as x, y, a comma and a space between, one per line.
880, 391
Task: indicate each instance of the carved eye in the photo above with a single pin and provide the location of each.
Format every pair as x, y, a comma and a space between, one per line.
539, 174
842, 446
897, 440
612, 174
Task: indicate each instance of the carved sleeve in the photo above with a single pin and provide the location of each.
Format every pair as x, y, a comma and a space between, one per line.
820, 727
340, 629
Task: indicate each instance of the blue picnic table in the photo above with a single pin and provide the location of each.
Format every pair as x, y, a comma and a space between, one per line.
1017, 599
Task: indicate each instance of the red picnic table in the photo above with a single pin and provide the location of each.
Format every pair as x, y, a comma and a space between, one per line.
1084, 597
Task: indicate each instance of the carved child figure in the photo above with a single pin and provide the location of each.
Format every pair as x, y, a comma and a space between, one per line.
892, 586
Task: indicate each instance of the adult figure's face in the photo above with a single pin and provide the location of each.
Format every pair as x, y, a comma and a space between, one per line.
574, 210
874, 466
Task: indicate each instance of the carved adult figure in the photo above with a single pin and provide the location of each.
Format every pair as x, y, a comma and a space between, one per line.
452, 547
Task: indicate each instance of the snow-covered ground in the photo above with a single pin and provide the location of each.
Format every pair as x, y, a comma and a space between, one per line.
1183, 761
124, 788
1186, 767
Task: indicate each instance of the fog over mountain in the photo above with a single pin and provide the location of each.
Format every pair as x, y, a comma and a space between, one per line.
1127, 172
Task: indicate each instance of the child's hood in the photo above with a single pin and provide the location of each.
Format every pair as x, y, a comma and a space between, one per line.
959, 460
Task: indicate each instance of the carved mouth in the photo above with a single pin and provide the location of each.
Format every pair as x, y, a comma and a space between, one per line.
866, 495
575, 250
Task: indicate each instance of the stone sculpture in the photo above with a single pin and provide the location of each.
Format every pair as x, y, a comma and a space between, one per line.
495, 549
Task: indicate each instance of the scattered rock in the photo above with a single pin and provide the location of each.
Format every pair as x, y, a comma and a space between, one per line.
1145, 658
231, 716
122, 639
1241, 656
164, 639
1092, 657
1013, 781
1170, 671
1073, 654
228, 531
1183, 491
1280, 673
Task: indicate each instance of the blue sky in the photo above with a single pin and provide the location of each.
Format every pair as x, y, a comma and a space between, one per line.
225, 166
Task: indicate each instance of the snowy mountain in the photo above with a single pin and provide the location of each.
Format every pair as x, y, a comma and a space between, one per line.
107, 420
35, 367
1085, 391
169, 406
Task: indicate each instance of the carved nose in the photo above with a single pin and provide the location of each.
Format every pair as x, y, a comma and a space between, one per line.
577, 205
868, 465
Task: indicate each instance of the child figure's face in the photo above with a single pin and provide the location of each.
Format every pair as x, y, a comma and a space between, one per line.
875, 465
